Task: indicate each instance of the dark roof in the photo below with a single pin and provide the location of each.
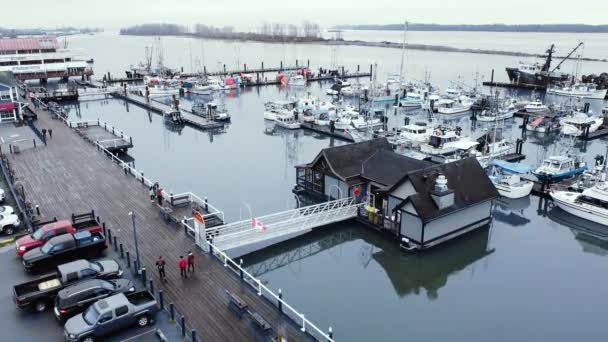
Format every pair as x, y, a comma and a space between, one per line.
388, 168
466, 178
346, 160
7, 78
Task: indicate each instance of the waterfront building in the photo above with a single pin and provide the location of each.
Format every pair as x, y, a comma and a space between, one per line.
41, 58
9, 96
420, 203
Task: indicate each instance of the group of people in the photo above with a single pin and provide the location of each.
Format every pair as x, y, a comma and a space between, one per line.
45, 131
185, 265
156, 192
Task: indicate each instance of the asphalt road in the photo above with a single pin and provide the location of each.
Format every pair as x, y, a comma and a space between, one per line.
25, 326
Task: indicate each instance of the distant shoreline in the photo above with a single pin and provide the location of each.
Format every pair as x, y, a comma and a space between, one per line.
545, 28
361, 43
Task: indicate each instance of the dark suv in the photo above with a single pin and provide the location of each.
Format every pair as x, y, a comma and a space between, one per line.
78, 297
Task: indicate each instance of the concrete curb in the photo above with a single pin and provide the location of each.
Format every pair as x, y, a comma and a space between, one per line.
11, 239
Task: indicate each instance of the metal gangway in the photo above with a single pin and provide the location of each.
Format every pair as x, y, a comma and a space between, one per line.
281, 226
102, 90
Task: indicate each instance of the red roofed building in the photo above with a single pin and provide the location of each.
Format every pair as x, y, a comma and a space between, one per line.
41, 58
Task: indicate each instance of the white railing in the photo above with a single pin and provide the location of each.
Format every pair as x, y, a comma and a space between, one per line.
103, 124
306, 325
193, 198
282, 217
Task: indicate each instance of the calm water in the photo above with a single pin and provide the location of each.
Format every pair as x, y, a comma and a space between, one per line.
536, 275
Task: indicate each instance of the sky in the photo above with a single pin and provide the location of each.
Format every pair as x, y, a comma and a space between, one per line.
247, 14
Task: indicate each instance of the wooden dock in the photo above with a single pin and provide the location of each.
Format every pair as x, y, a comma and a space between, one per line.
511, 85
190, 119
110, 138
340, 134
71, 176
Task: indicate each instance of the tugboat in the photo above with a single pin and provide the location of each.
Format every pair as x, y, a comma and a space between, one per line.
540, 74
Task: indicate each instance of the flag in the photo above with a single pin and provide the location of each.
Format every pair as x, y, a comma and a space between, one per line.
258, 225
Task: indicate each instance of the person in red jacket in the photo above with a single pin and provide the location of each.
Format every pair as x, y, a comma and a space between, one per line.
182, 267
190, 262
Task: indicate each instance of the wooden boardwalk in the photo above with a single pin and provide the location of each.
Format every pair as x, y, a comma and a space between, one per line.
71, 176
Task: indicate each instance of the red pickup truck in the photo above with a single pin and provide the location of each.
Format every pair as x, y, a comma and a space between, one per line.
82, 222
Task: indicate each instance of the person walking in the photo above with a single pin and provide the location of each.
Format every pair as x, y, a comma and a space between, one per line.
182, 267
160, 265
159, 196
50, 133
152, 194
190, 261
44, 133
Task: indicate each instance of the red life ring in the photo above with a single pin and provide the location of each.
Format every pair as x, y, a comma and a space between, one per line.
357, 191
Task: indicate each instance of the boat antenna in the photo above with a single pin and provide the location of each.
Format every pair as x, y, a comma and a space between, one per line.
403, 52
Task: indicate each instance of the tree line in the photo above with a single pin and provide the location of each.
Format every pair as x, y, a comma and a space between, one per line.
566, 28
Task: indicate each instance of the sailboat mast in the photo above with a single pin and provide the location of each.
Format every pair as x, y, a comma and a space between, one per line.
403, 52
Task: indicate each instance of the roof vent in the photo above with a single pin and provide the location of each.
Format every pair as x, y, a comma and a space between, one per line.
442, 195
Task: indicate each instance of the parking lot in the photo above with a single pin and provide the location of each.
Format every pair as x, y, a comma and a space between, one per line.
25, 325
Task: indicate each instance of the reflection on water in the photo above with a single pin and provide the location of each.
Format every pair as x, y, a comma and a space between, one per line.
592, 236
408, 273
511, 211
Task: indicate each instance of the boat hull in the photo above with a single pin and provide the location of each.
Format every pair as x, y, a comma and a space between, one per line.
556, 177
598, 94
566, 201
514, 191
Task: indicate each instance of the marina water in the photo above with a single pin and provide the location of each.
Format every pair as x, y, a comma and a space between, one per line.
536, 274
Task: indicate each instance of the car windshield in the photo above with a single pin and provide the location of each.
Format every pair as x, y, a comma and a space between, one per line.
38, 234
91, 315
96, 266
46, 248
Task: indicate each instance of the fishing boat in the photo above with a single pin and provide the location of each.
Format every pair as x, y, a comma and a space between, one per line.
507, 179
272, 108
556, 168
540, 74
173, 117
580, 90
451, 93
536, 107
496, 115
591, 204
287, 120
412, 100
543, 125
577, 123
296, 81
361, 122
444, 141
211, 111
417, 132
454, 106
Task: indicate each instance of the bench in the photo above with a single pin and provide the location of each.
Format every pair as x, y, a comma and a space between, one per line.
236, 302
259, 321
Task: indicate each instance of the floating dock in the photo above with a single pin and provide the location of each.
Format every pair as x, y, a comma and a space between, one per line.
108, 137
514, 85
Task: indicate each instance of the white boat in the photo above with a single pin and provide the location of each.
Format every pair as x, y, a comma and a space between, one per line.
287, 120
417, 132
454, 107
508, 181
274, 108
591, 204
360, 122
444, 141
580, 90
348, 91
451, 93
296, 81
412, 100
492, 115
536, 107
543, 125
576, 123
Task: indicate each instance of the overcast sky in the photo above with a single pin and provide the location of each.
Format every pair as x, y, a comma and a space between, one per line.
251, 13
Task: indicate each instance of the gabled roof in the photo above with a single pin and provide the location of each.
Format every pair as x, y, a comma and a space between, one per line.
466, 178
345, 161
388, 168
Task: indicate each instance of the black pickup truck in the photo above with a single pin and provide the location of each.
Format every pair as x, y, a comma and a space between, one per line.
40, 292
64, 248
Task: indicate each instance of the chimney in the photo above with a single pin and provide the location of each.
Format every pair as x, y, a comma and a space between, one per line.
441, 194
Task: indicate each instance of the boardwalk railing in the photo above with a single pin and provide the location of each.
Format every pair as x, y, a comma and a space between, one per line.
262, 290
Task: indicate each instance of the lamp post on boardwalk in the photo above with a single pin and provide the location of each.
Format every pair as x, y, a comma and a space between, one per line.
138, 267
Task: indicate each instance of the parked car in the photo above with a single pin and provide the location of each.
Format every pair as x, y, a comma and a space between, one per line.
64, 248
78, 223
6, 210
111, 314
40, 292
9, 223
76, 298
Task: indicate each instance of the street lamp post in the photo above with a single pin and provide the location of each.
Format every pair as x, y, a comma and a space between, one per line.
138, 265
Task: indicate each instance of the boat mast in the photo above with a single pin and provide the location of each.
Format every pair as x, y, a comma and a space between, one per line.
403, 53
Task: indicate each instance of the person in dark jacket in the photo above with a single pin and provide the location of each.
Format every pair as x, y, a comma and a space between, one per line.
160, 264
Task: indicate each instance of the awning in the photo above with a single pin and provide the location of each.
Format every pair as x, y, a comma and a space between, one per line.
7, 106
